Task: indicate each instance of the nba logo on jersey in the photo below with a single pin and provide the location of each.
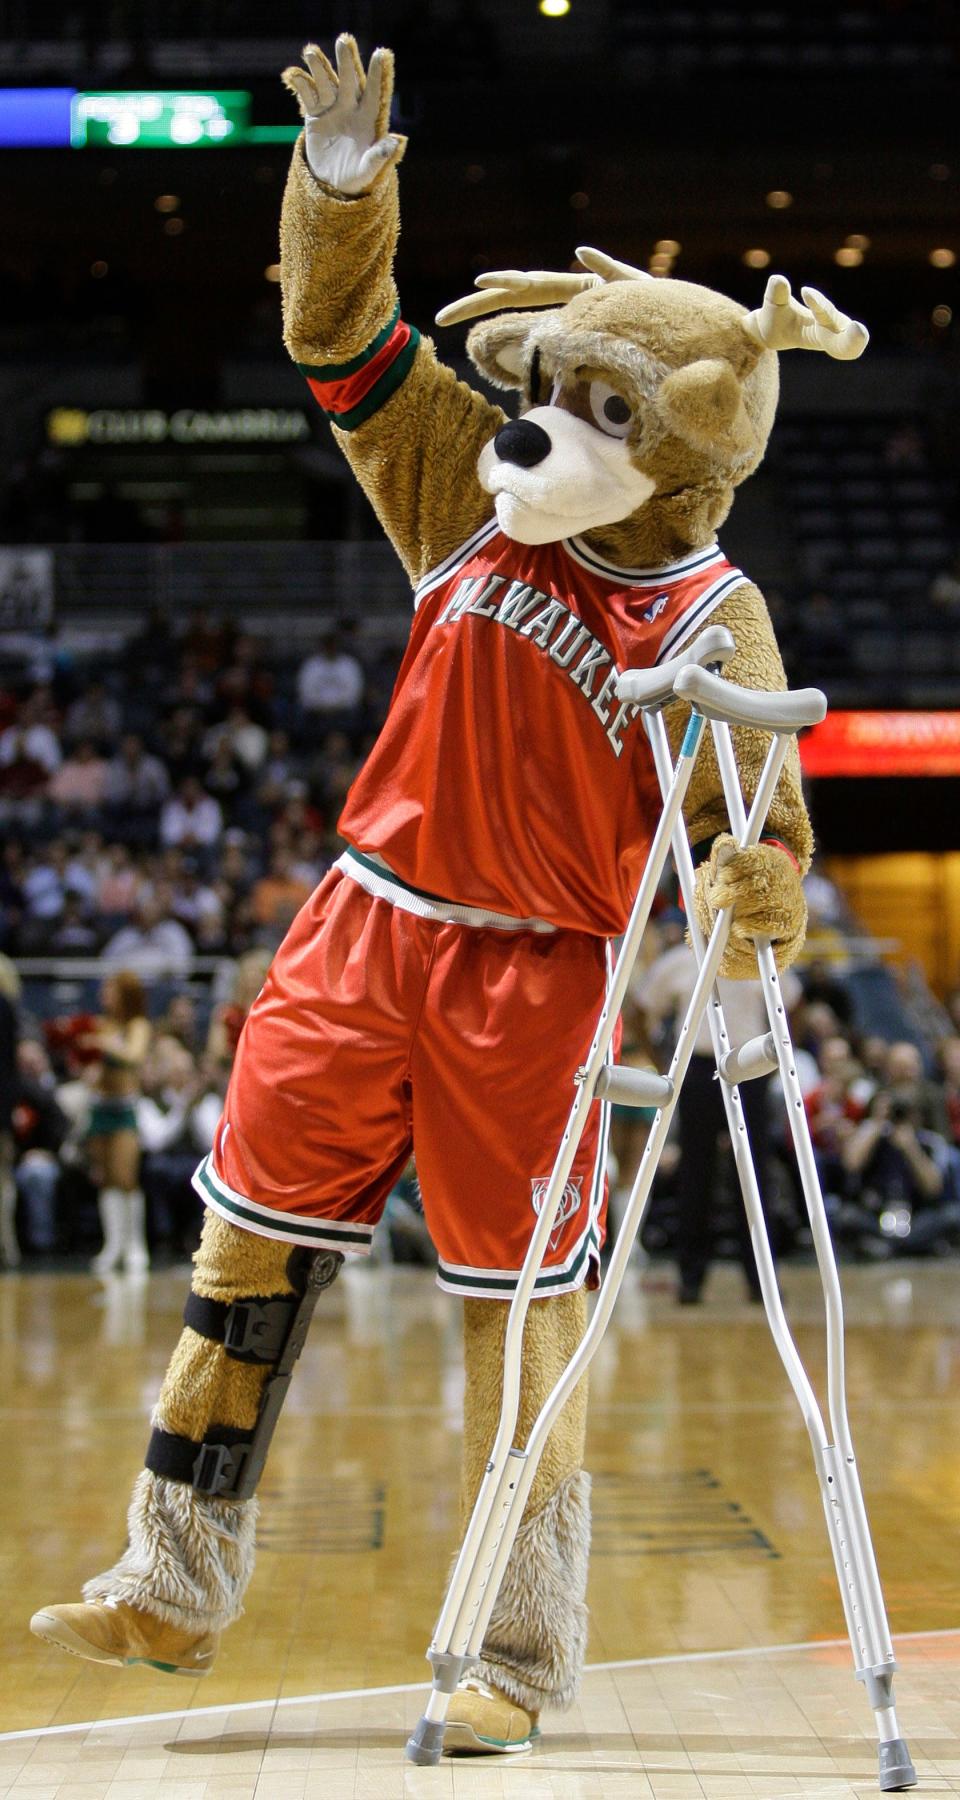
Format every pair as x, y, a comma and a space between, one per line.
655, 608
569, 1204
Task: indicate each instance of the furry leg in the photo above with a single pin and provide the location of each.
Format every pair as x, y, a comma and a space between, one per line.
536, 1640
189, 1558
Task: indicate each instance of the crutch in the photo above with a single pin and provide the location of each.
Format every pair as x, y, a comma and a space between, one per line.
490, 1534
847, 1526
839, 1483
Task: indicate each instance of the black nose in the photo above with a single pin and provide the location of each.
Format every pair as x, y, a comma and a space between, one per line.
522, 442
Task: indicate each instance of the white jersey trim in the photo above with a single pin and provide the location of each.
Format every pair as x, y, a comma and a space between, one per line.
691, 620
383, 884
450, 565
350, 1236
668, 573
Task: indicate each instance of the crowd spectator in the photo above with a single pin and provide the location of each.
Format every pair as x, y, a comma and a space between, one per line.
32, 740
279, 894
228, 1018
663, 992
79, 785
153, 943
191, 817
73, 933
119, 881
194, 901
136, 781
179, 1023
908, 1085
40, 1128
175, 1131
907, 1194
248, 742
835, 1106
331, 680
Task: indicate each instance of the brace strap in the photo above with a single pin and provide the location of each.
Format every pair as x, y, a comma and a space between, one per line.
229, 1462
252, 1331
211, 1468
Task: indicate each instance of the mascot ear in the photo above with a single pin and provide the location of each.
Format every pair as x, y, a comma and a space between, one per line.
498, 348
703, 404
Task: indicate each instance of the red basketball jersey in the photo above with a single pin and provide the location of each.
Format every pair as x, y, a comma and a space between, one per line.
508, 776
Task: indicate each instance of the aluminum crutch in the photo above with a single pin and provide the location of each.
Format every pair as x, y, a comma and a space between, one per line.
847, 1525
499, 1506
456, 1640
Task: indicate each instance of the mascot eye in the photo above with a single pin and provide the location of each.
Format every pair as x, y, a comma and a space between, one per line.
610, 410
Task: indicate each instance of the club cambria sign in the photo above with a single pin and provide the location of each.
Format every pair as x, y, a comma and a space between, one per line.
72, 427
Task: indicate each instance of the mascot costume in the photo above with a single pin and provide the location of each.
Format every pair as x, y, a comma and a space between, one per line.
443, 984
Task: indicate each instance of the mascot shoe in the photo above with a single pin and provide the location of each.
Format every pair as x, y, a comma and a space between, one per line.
483, 1722
108, 1631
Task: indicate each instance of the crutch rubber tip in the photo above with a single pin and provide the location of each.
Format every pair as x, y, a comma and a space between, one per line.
896, 1769
425, 1745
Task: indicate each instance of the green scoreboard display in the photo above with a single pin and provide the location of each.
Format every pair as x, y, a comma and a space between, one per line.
45, 118
159, 120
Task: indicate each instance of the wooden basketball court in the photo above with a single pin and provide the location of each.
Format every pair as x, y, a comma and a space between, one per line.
719, 1665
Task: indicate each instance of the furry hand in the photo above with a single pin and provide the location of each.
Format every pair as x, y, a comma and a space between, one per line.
346, 114
765, 890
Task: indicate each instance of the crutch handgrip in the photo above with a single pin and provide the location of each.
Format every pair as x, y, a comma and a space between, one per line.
758, 1056
652, 688
718, 699
633, 1087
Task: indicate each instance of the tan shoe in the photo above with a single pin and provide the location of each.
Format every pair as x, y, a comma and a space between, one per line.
483, 1722
109, 1631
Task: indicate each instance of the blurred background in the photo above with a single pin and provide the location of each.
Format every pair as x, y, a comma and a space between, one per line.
200, 622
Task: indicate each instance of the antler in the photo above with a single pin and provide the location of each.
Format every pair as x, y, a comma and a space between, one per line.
608, 268
505, 289
781, 323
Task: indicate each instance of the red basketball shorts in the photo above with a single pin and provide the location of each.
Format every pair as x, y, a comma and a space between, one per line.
378, 1034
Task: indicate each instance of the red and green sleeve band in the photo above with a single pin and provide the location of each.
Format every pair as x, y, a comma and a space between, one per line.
351, 392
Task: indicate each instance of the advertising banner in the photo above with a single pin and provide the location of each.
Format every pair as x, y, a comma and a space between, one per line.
883, 743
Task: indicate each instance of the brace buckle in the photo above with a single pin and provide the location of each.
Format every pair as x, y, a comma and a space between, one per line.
218, 1468
257, 1329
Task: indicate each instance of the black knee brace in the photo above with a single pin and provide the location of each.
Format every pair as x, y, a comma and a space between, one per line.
229, 1462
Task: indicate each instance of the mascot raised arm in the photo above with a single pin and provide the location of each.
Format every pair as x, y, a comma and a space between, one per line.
440, 989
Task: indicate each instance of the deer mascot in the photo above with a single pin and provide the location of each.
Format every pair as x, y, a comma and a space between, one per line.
441, 987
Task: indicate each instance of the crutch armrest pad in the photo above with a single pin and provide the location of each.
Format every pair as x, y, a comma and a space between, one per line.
652, 688
715, 698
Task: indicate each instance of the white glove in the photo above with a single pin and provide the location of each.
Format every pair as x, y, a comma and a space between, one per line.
346, 114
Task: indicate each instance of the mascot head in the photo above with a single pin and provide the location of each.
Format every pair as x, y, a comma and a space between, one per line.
637, 394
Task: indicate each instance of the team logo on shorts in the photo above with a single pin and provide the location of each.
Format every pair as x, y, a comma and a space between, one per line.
570, 1202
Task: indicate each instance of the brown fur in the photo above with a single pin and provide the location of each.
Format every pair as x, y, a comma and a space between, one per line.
338, 292
553, 1332
537, 1636
416, 458
188, 1560
756, 664
765, 890
204, 1386
536, 1640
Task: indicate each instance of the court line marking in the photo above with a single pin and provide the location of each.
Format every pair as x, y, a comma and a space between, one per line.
413, 1687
